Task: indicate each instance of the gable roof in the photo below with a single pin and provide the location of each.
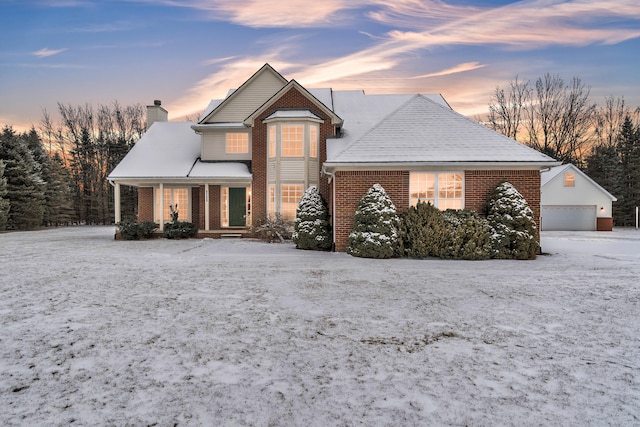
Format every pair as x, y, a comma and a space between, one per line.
550, 175
266, 68
423, 131
289, 86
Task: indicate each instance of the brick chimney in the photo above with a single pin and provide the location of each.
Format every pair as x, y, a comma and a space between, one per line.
155, 113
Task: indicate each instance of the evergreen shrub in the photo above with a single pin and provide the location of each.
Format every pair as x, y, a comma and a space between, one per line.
133, 230
311, 227
468, 236
514, 230
375, 231
180, 230
424, 231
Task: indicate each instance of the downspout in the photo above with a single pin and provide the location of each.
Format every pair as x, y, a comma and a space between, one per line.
332, 177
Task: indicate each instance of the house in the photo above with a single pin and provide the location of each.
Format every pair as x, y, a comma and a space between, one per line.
253, 153
572, 201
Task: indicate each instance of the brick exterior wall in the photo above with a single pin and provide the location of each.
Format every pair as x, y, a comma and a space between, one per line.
145, 204
352, 185
291, 99
478, 185
214, 207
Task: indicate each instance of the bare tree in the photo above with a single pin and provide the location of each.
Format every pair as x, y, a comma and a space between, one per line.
506, 108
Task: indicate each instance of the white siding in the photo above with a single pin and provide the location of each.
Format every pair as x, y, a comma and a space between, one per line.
248, 99
292, 170
271, 171
554, 193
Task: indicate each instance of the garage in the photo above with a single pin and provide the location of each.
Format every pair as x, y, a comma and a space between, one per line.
567, 217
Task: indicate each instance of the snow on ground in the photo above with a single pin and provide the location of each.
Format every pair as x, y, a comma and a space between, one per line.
238, 332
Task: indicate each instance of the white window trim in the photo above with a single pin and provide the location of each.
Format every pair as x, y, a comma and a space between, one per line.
157, 215
436, 178
226, 142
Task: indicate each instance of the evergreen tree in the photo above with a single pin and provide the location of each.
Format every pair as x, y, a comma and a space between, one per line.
312, 225
58, 208
604, 167
25, 188
375, 227
4, 201
514, 229
629, 151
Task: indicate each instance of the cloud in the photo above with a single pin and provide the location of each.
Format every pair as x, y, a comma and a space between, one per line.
43, 53
271, 13
417, 26
460, 68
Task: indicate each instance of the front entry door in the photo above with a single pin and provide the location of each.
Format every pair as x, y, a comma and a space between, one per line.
237, 207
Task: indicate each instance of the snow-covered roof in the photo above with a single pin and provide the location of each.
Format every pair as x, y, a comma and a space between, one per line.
415, 128
550, 174
167, 149
292, 114
220, 170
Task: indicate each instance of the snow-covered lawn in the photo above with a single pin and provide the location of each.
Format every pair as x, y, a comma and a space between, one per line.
238, 332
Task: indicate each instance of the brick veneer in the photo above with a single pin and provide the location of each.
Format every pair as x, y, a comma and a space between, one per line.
145, 204
352, 185
478, 185
291, 99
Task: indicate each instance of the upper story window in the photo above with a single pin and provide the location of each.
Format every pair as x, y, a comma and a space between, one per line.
272, 141
292, 137
569, 180
237, 142
443, 190
313, 141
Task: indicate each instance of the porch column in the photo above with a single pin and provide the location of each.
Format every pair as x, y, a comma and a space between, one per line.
206, 207
116, 202
161, 207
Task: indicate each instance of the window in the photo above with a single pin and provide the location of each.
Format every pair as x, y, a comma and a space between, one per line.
292, 140
313, 141
178, 198
237, 142
569, 180
443, 190
272, 141
290, 198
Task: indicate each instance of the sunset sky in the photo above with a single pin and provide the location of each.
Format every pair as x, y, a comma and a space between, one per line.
186, 52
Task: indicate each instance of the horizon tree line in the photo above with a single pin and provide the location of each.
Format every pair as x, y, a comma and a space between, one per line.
560, 120
56, 175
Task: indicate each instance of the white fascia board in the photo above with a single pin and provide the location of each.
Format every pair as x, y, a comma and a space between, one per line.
237, 125
337, 166
151, 181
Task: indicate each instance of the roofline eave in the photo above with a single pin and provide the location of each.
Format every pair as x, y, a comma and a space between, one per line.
468, 165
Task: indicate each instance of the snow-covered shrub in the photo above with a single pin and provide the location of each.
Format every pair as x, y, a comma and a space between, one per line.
468, 236
180, 230
133, 230
375, 227
514, 228
272, 230
423, 230
312, 225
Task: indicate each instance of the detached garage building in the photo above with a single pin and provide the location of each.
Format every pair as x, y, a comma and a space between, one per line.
570, 200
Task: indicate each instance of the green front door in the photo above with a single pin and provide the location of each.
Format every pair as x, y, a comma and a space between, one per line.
237, 207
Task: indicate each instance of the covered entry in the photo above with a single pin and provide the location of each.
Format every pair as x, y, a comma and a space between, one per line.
568, 217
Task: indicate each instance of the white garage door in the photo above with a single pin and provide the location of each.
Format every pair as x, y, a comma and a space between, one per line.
568, 217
